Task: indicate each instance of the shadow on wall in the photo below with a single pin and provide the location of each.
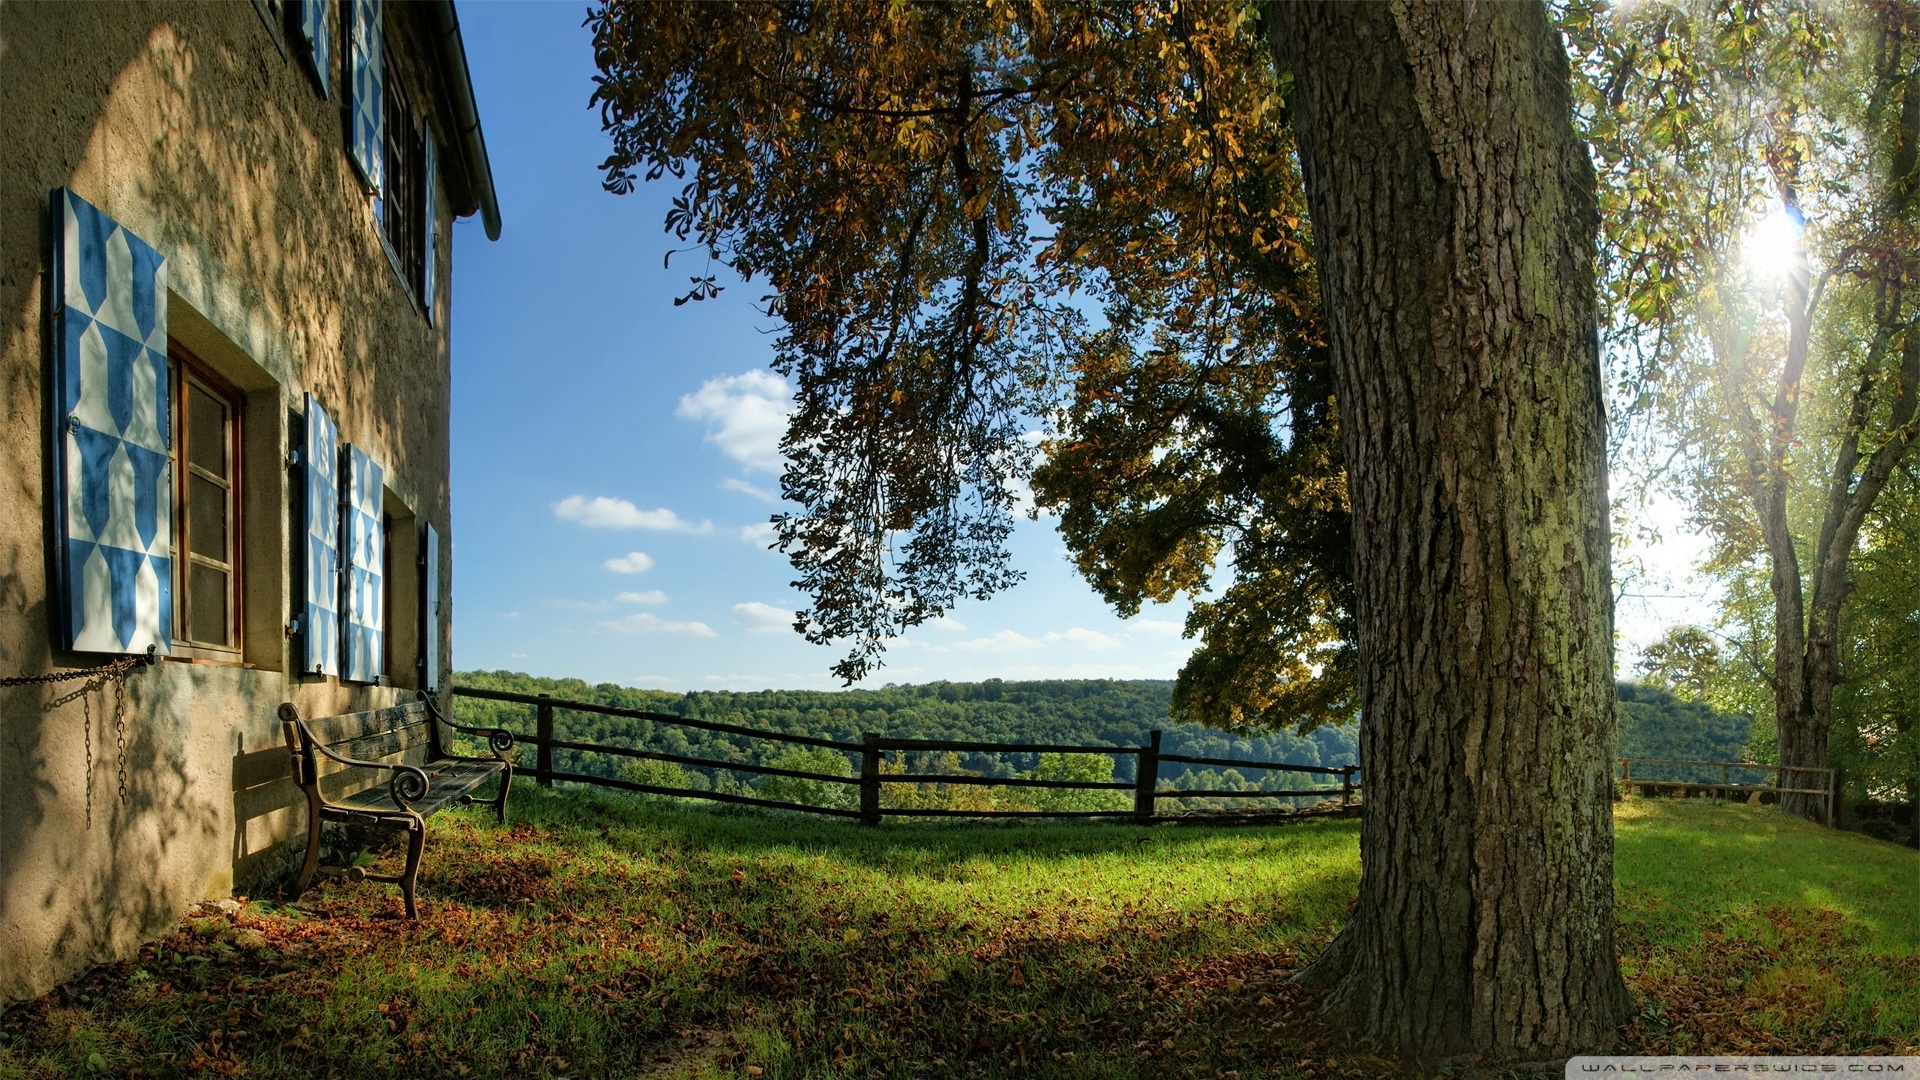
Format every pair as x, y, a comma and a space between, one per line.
46, 145
98, 880
269, 196
264, 800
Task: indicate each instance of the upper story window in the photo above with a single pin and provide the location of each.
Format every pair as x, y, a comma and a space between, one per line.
206, 511
392, 146
403, 205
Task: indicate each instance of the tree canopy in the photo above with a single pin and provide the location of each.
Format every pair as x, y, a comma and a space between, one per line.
1062, 243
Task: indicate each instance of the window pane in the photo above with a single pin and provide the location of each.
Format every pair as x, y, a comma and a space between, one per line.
207, 605
206, 518
206, 431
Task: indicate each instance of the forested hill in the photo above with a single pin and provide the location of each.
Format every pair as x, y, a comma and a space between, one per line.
1110, 712
1656, 724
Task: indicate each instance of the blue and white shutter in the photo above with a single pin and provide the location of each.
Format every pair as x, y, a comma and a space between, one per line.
366, 568
430, 611
320, 479
367, 70
432, 181
113, 504
313, 32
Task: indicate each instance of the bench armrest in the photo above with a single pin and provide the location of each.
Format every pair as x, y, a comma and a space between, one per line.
408, 784
499, 740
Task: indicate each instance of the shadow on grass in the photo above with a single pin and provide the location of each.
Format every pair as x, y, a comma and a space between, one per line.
600, 935
604, 935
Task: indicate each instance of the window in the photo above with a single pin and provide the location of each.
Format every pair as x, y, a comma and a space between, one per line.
206, 511
403, 189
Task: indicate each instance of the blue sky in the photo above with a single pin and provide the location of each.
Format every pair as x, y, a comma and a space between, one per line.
615, 457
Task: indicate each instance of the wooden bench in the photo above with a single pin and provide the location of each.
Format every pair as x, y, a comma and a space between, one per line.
339, 753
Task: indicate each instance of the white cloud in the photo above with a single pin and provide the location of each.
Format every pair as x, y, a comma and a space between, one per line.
1004, 641
760, 535
646, 622
1079, 671
633, 562
649, 598
746, 415
949, 624
509, 615
601, 512
1156, 626
761, 618
1083, 637
579, 605
734, 483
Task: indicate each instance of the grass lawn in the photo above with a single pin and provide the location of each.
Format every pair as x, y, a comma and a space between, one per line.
606, 937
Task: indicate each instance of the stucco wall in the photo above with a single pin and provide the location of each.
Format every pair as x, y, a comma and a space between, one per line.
189, 124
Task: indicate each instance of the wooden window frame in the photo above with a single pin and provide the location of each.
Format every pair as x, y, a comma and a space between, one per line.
189, 371
402, 195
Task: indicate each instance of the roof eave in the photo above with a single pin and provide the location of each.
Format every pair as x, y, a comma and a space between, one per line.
451, 53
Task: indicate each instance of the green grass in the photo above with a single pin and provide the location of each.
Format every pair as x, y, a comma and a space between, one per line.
607, 937
1741, 928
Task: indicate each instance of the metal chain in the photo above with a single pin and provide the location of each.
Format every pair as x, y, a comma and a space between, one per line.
115, 670
120, 729
112, 669
86, 710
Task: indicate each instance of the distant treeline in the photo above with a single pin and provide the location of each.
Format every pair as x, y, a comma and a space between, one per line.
1090, 712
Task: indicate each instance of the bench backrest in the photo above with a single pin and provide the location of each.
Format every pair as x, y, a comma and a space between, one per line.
375, 735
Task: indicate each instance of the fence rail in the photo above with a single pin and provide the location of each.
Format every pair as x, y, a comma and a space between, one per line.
871, 749
1727, 786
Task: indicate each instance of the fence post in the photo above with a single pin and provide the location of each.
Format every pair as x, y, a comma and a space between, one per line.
870, 779
1346, 785
543, 741
1832, 793
1146, 777
1626, 775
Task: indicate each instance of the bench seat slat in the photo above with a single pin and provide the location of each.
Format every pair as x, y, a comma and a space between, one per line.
447, 780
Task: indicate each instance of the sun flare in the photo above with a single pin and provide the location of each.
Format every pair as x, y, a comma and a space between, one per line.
1776, 244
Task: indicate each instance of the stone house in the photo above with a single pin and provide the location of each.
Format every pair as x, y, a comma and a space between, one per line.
225, 235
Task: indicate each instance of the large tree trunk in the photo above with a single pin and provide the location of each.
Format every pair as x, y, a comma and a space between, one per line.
1453, 215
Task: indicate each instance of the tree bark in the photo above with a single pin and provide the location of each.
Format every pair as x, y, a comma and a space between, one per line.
1452, 206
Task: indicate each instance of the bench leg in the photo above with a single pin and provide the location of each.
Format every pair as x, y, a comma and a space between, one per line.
311, 864
500, 804
416, 841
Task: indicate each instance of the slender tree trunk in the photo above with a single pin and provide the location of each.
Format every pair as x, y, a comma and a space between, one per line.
1452, 206
1799, 732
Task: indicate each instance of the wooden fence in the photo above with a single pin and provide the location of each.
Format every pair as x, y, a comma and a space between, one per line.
1726, 787
1145, 787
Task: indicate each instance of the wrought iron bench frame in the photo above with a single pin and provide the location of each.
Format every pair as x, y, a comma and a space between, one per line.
410, 797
